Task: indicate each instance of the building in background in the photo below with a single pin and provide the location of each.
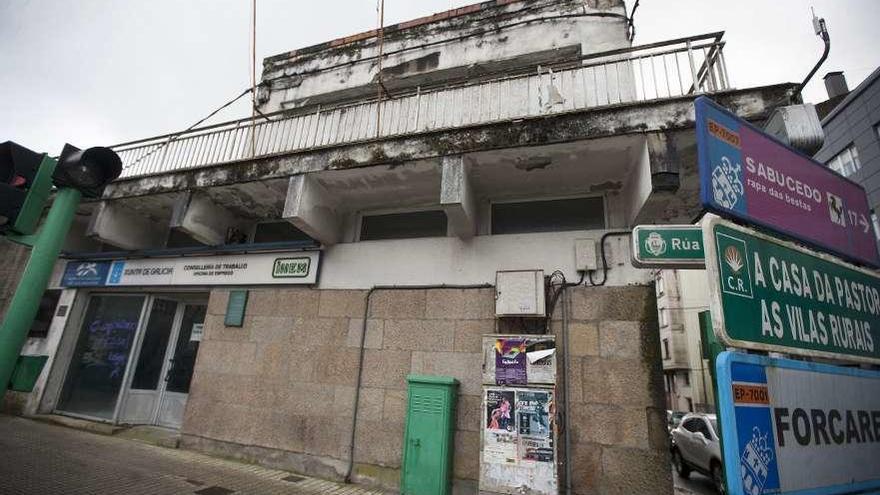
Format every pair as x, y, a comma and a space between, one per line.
851, 121
681, 296
265, 286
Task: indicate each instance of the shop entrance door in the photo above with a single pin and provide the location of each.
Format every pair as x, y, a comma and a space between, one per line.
159, 385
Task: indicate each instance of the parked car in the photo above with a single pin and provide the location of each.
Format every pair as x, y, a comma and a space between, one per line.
696, 448
673, 419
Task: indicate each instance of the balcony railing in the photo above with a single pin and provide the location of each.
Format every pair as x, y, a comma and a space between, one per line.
642, 73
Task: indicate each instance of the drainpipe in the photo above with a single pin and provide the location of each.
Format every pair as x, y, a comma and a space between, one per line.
360, 370
822, 32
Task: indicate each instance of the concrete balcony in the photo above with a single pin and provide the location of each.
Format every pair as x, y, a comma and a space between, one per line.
654, 72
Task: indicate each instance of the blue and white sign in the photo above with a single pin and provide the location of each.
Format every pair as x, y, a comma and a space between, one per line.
85, 273
297, 268
793, 427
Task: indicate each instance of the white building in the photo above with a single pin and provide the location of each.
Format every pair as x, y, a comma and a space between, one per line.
265, 287
681, 296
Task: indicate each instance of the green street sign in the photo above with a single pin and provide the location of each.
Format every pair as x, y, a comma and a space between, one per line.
773, 295
668, 246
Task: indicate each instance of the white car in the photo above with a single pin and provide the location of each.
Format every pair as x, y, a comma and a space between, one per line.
696, 448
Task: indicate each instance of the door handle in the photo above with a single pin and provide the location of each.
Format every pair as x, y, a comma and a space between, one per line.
416, 442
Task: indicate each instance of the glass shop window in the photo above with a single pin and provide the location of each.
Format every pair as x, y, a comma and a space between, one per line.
48, 303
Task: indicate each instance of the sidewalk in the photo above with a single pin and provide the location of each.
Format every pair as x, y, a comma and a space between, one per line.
39, 458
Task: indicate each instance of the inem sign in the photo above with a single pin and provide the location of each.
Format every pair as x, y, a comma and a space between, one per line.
772, 295
798, 427
749, 175
667, 246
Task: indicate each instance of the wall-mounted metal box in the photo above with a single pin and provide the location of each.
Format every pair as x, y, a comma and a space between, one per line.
519, 293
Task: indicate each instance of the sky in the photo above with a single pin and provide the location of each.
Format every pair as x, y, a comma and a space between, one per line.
101, 72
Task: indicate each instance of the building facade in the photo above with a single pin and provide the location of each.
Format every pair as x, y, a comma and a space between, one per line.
265, 286
851, 123
681, 296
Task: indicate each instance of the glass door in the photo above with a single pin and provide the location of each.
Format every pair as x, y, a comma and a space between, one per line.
181, 364
97, 367
142, 396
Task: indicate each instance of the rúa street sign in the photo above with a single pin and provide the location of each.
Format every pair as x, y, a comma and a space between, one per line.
749, 175
793, 427
773, 295
668, 246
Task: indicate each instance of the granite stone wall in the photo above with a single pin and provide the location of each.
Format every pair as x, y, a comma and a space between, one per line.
280, 390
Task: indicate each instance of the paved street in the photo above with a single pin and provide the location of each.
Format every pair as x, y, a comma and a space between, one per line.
695, 484
37, 458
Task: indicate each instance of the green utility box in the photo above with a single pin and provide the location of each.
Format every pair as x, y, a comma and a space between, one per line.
27, 370
430, 429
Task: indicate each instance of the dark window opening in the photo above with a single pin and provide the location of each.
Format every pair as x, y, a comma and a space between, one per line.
48, 303
279, 232
180, 239
403, 225
548, 216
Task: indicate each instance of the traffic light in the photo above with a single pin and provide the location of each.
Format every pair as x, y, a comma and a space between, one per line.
87, 170
25, 184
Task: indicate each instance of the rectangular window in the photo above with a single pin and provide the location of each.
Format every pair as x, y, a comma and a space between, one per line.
687, 379
690, 404
278, 232
40, 326
664, 318
876, 222
556, 215
846, 162
403, 225
665, 348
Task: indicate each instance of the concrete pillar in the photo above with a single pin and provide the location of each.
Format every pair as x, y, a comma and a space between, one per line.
457, 197
311, 209
202, 219
114, 224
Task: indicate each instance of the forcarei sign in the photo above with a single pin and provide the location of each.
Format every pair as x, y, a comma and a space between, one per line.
793, 427
749, 175
773, 295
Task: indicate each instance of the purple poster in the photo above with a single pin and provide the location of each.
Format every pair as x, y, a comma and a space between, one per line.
510, 362
749, 175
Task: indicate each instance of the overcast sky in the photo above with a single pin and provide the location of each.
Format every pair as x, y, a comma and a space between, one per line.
96, 72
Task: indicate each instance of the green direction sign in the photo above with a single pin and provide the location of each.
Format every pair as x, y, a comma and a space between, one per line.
773, 295
668, 246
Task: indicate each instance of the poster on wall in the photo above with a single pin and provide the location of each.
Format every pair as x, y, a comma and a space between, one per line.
510, 362
500, 429
535, 420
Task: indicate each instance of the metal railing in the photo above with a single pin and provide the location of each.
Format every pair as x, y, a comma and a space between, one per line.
667, 69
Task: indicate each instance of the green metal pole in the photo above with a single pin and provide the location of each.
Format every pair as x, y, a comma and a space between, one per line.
26, 302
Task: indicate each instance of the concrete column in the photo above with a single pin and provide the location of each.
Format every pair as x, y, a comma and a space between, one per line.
457, 197
311, 209
114, 224
202, 219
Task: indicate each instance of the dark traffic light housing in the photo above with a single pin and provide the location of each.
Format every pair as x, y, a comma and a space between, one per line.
87, 170
25, 184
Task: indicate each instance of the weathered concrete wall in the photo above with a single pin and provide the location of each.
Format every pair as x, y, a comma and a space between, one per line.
280, 390
457, 45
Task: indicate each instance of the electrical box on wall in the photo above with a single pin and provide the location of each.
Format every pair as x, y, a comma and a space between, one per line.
585, 255
519, 293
